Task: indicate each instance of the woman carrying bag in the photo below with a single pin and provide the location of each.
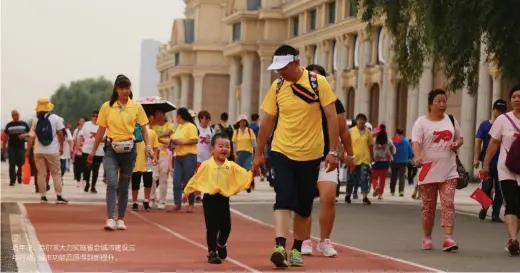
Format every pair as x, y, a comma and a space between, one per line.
119, 118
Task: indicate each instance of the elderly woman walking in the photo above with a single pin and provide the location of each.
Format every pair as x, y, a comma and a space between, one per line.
435, 139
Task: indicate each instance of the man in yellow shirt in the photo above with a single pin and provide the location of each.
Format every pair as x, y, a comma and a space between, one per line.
362, 141
295, 101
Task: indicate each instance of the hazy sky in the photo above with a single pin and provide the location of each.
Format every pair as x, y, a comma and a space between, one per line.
46, 43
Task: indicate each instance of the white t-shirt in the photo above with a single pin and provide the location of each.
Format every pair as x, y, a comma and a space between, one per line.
504, 131
54, 147
66, 146
204, 144
89, 131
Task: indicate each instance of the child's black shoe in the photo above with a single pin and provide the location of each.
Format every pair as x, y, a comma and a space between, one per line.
213, 258
222, 252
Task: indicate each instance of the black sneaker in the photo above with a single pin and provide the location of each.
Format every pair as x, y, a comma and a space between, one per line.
213, 258
135, 207
61, 200
482, 214
366, 201
43, 200
496, 219
146, 206
355, 196
513, 247
93, 190
347, 199
222, 252
87, 186
11, 184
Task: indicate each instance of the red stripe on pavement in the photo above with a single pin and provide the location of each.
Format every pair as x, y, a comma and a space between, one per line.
73, 240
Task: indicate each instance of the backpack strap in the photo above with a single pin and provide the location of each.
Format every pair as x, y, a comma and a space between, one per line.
512, 122
313, 79
279, 85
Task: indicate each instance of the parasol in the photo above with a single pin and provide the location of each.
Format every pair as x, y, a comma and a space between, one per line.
153, 103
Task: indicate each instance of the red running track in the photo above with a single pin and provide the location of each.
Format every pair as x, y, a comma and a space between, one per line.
73, 239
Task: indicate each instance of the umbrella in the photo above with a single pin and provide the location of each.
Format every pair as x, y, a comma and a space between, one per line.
154, 103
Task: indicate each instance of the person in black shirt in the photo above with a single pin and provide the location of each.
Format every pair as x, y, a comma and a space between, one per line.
17, 132
328, 181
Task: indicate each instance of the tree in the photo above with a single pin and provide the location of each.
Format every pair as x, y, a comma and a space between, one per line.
80, 98
450, 32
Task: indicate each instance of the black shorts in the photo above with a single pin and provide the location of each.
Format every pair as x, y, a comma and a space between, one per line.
295, 183
511, 195
136, 180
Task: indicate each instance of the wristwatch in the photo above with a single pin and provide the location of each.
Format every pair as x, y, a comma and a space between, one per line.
335, 153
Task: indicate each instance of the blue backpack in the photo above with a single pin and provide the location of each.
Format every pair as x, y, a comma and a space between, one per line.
44, 131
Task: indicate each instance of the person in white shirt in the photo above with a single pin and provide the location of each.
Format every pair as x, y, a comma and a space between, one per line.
77, 154
47, 136
87, 137
68, 147
204, 144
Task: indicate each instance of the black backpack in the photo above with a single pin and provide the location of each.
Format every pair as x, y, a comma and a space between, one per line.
44, 131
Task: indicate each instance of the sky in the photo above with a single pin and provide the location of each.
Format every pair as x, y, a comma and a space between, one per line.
47, 43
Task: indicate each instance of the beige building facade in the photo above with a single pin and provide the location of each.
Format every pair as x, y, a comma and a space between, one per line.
218, 56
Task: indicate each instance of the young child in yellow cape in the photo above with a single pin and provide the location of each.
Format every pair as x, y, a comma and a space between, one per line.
218, 179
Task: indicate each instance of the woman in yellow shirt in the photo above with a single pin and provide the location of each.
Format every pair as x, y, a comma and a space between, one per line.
120, 118
185, 138
244, 142
218, 179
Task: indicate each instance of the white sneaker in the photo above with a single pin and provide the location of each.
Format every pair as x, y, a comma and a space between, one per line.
121, 224
110, 225
161, 206
326, 249
307, 247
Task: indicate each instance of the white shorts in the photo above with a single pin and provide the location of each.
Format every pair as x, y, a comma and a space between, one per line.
325, 176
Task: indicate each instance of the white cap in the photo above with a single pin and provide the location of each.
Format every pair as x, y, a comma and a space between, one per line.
280, 62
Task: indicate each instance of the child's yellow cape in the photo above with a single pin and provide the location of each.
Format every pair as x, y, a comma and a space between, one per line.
228, 179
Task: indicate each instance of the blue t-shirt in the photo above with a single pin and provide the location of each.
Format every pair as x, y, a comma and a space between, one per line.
483, 133
255, 128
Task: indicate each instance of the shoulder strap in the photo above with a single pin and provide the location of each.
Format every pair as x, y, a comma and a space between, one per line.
313, 78
279, 85
452, 123
512, 122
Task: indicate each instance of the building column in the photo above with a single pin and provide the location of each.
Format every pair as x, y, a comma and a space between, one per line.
247, 84
413, 109
340, 49
362, 98
497, 87
467, 124
425, 86
176, 91
484, 92
233, 81
265, 81
388, 101
185, 85
198, 80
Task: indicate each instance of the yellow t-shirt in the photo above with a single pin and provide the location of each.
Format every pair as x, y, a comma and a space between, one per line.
159, 129
120, 120
140, 160
299, 133
244, 140
228, 179
361, 145
186, 131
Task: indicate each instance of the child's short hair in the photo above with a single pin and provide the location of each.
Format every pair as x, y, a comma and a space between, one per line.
217, 136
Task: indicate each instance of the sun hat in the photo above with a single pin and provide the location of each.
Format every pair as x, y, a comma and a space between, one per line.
280, 62
44, 105
241, 117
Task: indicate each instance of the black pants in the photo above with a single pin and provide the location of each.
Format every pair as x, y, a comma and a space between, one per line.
94, 167
398, 171
16, 158
412, 172
79, 167
511, 194
487, 187
136, 180
218, 220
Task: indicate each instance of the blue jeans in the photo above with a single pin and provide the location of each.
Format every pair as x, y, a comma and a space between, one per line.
358, 178
488, 185
245, 159
118, 170
183, 170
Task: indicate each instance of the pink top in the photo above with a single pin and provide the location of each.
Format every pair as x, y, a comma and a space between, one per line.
435, 139
504, 131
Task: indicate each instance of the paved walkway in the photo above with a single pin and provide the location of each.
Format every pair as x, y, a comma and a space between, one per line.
263, 193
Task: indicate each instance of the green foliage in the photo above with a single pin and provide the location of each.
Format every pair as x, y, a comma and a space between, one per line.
450, 32
80, 98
